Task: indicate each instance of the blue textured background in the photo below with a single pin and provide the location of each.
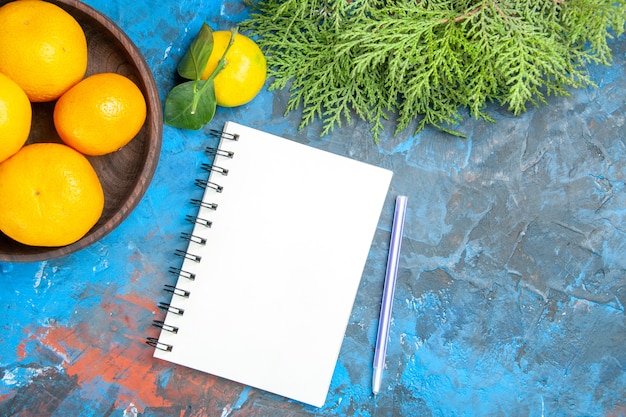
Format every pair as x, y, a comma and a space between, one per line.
512, 281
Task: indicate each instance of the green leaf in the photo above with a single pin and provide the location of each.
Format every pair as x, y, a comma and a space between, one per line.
190, 105
194, 61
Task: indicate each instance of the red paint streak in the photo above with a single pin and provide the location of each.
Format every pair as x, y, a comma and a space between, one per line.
138, 301
136, 276
130, 366
107, 348
618, 411
21, 348
5, 397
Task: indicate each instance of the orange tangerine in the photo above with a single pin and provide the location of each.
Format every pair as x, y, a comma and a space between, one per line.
50, 195
42, 48
100, 114
15, 117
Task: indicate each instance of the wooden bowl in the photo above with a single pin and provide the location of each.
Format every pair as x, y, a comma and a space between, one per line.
125, 174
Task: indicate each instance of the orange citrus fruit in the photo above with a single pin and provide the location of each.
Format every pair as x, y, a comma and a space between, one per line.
42, 48
15, 117
50, 195
244, 74
100, 114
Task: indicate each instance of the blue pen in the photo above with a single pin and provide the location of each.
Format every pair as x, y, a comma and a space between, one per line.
390, 287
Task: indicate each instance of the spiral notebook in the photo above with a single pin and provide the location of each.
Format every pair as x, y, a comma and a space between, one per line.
266, 286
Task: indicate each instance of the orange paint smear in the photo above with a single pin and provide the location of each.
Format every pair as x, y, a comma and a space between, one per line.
618, 411
121, 357
21, 348
139, 301
5, 397
114, 358
129, 366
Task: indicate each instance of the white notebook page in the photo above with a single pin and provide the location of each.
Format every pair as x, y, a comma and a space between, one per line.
280, 267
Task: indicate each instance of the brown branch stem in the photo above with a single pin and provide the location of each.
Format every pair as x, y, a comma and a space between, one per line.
476, 10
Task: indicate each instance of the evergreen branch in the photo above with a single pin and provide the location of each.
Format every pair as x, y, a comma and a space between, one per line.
427, 60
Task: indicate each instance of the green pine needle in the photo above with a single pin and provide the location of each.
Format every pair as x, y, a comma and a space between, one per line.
426, 60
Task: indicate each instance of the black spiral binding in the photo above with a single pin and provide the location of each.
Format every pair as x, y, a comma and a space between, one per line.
179, 272
186, 255
154, 342
208, 184
193, 238
200, 203
214, 168
162, 325
171, 309
177, 291
199, 220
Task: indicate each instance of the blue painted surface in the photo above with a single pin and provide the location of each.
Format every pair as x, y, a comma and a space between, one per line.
512, 285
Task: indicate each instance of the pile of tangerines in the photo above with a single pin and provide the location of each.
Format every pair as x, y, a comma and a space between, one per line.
50, 194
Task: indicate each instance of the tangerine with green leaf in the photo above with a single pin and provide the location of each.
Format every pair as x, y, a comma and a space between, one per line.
243, 76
